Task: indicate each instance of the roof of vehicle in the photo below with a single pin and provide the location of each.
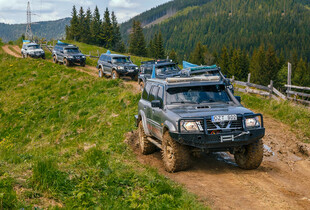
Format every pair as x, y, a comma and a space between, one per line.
160, 62
188, 81
29, 44
115, 55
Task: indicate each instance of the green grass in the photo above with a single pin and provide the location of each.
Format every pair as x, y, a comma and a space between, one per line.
296, 116
61, 143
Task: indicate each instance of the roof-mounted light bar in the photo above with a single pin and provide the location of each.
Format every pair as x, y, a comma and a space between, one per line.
193, 79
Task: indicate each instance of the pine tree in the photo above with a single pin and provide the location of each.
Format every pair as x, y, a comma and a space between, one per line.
137, 44
151, 49
86, 33
107, 30
159, 46
224, 61
198, 55
300, 71
81, 26
155, 47
95, 27
173, 55
271, 65
235, 63
133, 41
117, 39
74, 24
257, 67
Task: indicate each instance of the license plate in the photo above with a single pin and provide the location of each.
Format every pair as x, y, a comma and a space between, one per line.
224, 118
130, 70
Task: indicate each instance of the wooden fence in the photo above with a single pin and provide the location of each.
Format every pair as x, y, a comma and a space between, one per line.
271, 92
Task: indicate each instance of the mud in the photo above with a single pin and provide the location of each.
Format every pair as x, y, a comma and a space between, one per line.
281, 182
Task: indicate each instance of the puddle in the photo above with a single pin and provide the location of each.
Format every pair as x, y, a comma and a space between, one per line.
268, 151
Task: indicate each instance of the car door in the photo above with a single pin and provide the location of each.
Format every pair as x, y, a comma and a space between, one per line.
60, 54
146, 104
157, 114
152, 121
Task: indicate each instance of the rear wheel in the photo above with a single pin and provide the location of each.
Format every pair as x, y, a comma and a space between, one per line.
54, 59
250, 156
115, 75
135, 78
146, 147
176, 157
100, 73
23, 55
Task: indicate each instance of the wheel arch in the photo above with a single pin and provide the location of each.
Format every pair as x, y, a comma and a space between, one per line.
142, 117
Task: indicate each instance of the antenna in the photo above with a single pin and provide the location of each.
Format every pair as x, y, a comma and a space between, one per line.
28, 34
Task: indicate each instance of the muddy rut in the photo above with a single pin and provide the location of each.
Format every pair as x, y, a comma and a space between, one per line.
9, 51
281, 182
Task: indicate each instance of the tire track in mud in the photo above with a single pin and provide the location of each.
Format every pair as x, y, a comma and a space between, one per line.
281, 182
10, 52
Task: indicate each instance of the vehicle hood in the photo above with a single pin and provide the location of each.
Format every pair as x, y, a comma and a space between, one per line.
208, 110
130, 65
36, 50
76, 54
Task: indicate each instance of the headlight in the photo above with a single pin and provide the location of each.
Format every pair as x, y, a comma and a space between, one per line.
252, 122
191, 126
70, 56
83, 56
120, 67
137, 68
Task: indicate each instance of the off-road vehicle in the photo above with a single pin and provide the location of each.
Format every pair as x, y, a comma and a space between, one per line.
184, 115
163, 69
32, 50
68, 54
115, 65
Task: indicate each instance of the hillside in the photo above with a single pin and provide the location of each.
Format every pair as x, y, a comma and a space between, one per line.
285, 24
45, 29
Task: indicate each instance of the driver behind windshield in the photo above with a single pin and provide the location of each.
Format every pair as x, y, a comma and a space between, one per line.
121, 60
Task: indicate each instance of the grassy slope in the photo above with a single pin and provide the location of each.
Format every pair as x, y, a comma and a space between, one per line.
61, 142
296, 116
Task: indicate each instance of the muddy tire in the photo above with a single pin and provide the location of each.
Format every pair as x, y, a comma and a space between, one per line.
83, 64
100, 73
66, 63
251, 157
176, 157
141, 84
146, 147
54, 59
134, 78
23, 55
115, 75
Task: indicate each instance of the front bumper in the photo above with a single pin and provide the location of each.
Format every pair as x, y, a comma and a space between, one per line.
74, 60
128, 72
36, 55
217, 141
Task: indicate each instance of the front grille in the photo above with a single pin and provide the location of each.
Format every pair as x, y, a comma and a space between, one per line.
231, 125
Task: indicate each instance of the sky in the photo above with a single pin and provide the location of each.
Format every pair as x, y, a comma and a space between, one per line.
14, 11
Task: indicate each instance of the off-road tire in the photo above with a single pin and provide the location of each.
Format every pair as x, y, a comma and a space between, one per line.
176, 157
115, 75
23, 55
83, 64
134, 78
66, 63
251, 157
55, 59
145, 146
141, 84
100, 73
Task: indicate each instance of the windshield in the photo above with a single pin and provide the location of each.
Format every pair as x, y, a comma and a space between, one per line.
72, 50
168, 69
197, 94
121, 60
33, 47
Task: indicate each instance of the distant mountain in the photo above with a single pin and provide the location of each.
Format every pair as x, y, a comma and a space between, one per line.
47, 29
285, 24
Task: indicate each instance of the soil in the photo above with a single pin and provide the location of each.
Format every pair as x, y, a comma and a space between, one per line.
281, 182
8, 51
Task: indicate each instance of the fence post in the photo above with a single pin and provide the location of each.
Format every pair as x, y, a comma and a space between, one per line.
271, 89
289, 77
232, 79
249, 77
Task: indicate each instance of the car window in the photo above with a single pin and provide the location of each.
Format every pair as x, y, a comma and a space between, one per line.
72, 50
146, 91
154, 92
101, 58
160, 94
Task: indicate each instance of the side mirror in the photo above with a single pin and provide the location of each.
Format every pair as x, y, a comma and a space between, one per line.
238, 98
61, 51
156, 104
109, 61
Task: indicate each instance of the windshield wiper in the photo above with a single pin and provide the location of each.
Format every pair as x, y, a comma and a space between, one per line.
183, 102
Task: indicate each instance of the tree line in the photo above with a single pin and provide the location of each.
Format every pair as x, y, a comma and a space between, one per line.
264, 65
88, 27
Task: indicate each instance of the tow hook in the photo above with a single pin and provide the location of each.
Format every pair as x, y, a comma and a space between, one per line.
243, 133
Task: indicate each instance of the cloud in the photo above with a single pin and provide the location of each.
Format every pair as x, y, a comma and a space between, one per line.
122, 4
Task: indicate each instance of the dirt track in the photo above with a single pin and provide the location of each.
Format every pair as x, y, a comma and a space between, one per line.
282, 182
8, 51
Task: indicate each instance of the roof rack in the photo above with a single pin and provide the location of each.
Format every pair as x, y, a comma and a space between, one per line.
193, 79
157, 61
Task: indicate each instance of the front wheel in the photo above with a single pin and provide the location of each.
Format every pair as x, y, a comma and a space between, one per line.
115, 75
100, 73
83, 64
176, 157
141, 85
54, 59
66, 62
146, 147
250, 156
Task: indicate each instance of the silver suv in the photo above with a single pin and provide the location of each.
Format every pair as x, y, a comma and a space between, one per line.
32, 50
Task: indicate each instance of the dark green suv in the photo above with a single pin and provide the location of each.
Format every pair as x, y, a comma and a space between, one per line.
197, 114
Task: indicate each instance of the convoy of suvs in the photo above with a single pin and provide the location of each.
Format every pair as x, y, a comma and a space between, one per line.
182, 112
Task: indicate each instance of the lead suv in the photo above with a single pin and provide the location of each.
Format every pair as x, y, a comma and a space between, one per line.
68, 54
32, 50
116, 66
197, 114
163, 69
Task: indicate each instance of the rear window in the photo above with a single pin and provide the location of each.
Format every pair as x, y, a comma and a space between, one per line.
146, 91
